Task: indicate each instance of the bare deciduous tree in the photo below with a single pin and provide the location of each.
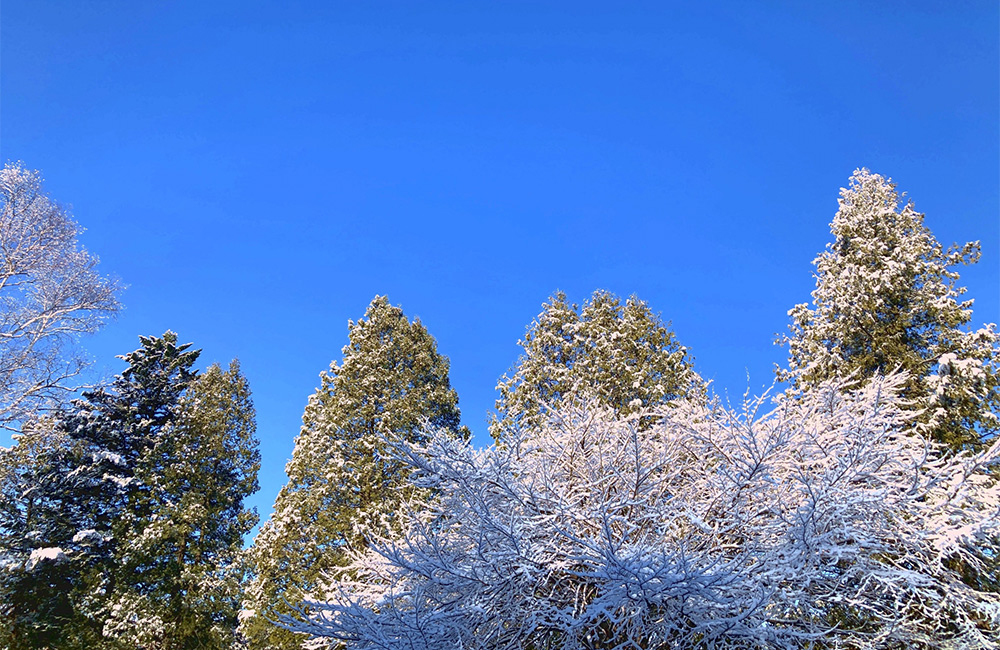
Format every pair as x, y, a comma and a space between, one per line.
823, 523
50, 294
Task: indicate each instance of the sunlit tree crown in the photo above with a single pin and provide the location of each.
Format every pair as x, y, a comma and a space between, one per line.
622, 355
342, 486
887, 298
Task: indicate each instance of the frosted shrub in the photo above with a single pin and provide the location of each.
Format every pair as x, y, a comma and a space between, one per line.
817, 524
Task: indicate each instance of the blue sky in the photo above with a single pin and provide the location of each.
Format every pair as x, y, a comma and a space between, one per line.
256, 172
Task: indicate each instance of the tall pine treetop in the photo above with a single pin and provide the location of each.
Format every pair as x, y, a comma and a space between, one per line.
624, 356
887, 298
343, 485
392, 375
122, 423
138, 498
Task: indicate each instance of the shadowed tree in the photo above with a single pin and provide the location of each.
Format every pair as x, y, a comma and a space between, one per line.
137, 506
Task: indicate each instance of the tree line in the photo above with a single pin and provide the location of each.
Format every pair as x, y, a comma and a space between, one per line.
622, 505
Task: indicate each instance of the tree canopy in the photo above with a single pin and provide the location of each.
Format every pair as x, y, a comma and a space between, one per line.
887, 299
50, 294
342, 485
817, 524
623, 356
130, 529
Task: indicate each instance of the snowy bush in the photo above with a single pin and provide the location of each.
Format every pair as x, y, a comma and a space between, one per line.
816, 524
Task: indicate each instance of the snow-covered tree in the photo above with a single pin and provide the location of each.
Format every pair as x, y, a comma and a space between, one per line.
116, 430
134, 501
623, 356
886, 299
823, 523
50, 294
45, 562
178, 570
342, 485
91, 481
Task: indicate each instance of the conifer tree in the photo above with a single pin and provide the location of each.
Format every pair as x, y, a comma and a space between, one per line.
886, 299
178, 572
91, 486
622, 356
342, 485
44, 563
138, 508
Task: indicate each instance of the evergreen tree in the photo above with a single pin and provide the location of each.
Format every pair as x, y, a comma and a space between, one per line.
342, 485
45, 562
886, 299
178, 582
622, 356
136, 517
88, 483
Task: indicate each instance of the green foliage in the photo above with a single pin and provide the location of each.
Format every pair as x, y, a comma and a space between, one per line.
886, 299
137, 500
178, 580
623, 356
341, 484
38, 596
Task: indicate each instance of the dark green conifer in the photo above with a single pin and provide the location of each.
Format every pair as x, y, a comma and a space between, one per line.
146, 481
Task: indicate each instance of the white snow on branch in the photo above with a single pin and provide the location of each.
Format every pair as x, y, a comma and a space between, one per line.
50, 554
820, 520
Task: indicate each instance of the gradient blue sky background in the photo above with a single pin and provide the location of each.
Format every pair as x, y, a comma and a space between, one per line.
257, 171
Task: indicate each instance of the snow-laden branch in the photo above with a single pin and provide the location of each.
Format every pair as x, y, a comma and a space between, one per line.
819, 520
50, 294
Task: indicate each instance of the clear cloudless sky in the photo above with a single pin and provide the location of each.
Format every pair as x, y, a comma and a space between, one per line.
256, 172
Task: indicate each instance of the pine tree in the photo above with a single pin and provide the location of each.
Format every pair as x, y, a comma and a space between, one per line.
342, 485
90, 489
178, 582
886, 299
137, 508
622, 356
44, 561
